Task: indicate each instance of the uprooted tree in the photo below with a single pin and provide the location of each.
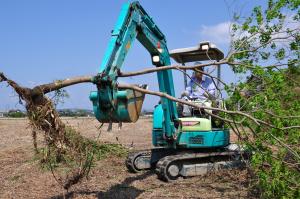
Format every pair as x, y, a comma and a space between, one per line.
263, 110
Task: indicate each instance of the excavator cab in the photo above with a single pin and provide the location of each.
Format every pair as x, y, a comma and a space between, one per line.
197, 120
204, 51
194, 131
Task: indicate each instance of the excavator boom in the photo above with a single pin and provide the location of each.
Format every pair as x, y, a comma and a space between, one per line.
111, 104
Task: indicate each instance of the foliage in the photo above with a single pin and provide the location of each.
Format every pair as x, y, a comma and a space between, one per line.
266, 46
59, 96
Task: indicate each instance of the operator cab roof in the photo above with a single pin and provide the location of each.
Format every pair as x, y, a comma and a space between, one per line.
204, 51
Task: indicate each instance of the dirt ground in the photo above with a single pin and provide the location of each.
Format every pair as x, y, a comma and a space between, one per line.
22, 177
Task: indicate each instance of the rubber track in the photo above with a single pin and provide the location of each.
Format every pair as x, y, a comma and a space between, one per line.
162, 164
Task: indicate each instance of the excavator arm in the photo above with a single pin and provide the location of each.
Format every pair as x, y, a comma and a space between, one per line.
113, 105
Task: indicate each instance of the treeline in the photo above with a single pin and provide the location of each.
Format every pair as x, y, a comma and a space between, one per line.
61, 112
15, 114
75, 113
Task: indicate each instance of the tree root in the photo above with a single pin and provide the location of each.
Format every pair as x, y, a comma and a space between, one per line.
65, 146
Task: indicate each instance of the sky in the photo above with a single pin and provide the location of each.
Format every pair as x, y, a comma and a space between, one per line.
42, 41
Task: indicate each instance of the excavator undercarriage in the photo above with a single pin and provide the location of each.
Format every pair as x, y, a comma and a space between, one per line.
170, 164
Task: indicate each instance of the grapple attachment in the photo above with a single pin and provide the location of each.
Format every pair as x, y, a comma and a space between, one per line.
126, 106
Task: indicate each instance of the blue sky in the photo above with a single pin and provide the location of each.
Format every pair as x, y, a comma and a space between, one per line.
42, 41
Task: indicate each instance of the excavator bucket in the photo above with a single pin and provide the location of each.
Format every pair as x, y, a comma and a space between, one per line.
127, 109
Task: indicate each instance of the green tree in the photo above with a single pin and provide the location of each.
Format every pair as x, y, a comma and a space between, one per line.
266, 47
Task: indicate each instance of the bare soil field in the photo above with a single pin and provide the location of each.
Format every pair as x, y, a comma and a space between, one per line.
22, 177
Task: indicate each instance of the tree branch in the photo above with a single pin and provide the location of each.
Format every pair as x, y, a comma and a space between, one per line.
56, 85
161, 68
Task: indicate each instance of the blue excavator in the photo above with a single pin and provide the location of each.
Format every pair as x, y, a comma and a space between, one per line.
183, 146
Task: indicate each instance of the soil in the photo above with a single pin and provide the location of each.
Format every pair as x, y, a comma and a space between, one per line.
22, 177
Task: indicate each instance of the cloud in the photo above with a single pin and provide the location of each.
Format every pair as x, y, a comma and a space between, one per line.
218, 34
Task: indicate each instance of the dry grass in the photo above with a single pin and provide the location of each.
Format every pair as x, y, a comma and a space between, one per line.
22, 177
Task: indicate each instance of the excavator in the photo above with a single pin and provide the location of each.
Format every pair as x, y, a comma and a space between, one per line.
183, 146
